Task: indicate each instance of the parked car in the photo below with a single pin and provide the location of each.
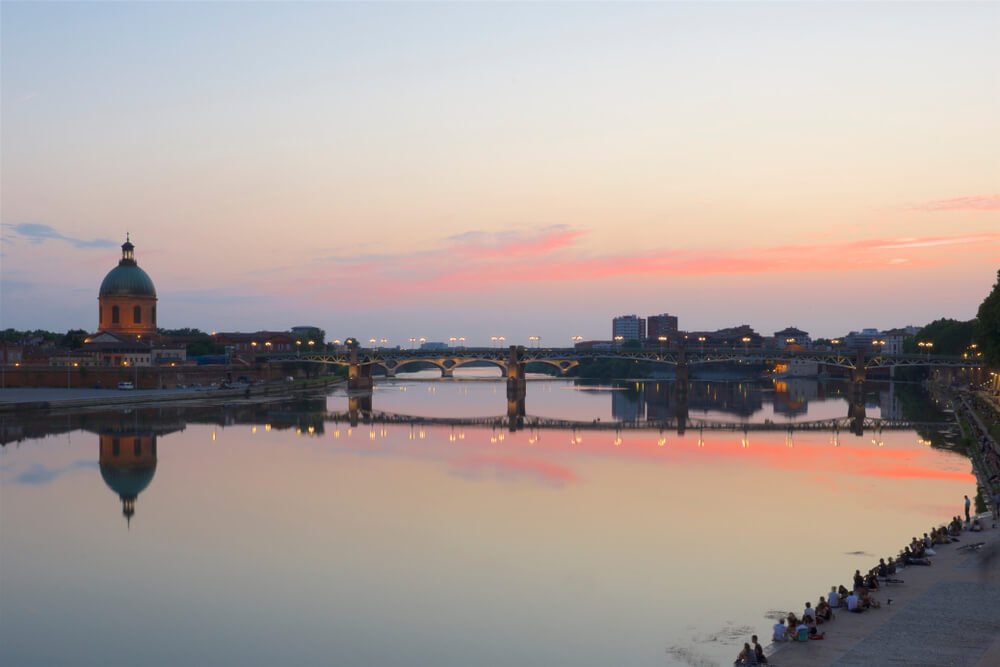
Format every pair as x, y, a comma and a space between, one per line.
126, 385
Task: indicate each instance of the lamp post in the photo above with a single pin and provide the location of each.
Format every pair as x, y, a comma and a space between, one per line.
453, 340
494, 339
926, 346
701, 343
69, 366
618, 341
746, 344
298, 348
878, 343
663, 340
502, 340
535, 340
575, 339
461, 342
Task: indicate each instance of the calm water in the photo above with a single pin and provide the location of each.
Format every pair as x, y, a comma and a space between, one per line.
266, 535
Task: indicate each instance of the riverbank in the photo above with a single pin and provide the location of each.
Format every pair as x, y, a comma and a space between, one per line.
31, 399
945, 614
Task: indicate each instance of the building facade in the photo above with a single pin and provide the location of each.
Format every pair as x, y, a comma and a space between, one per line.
628, 327
664, 325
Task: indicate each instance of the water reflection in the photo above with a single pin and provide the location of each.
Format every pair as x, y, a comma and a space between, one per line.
379, 543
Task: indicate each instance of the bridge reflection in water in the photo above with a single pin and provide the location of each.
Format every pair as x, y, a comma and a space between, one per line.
675, 417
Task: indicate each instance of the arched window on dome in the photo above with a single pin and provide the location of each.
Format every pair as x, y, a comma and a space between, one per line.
137, 315
115, 315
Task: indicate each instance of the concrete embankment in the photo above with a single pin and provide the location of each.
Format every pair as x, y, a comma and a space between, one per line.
24, 400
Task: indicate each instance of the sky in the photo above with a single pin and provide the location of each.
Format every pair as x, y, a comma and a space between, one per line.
518, 169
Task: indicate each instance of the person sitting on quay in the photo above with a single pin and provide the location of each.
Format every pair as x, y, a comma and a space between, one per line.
928, 545
780, 632
955, 527
977, 527
871, 581
833, 598
802, 631
867, 601
758, 651
854, 603
909, 558
824, 613
842, 590
808, 612
859, 581
746, 656
813, 631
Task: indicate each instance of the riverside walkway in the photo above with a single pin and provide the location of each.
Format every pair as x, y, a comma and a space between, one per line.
947, 614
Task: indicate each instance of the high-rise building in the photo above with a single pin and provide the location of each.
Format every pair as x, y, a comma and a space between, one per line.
628, 327
661, 325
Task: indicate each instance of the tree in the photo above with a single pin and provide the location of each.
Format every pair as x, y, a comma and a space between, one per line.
988, 326
73, 339
950, 337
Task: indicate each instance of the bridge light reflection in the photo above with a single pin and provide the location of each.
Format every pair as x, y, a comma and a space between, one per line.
661, 441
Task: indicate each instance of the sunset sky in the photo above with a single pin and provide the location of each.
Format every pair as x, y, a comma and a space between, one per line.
467, 169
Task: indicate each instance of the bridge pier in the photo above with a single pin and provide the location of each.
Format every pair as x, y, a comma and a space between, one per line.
359, 376
447, 372
516, 382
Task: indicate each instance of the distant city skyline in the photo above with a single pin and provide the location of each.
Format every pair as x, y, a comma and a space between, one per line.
438, 170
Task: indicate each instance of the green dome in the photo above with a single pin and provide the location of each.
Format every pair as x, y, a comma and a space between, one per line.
127, 280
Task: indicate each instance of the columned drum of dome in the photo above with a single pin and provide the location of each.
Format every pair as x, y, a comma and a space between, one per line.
127, 298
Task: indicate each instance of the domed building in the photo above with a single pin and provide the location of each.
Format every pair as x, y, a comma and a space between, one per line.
127, 298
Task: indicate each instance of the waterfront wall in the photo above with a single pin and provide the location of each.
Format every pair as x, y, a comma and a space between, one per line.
144, 377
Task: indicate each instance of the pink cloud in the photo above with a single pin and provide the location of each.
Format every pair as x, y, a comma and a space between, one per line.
972, 203
480, 261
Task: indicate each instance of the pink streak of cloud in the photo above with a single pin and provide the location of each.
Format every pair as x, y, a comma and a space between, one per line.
478, 261
973, 203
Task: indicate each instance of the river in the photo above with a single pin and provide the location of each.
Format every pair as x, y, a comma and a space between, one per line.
271, 534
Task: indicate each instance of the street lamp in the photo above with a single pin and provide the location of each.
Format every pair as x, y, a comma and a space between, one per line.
461, 341
298, 347
453, 340
746, 343
502, 339
68, 367
701, 343
413, 342
535, 339
494, 339
618, 340
575, 339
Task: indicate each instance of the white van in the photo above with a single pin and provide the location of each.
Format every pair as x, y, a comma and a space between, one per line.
126, 385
